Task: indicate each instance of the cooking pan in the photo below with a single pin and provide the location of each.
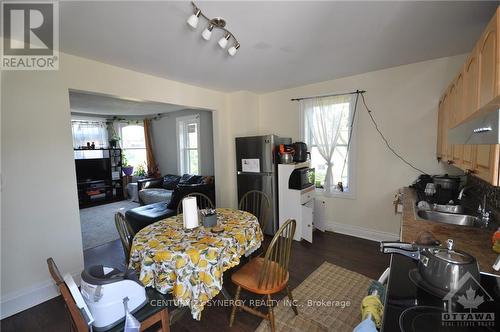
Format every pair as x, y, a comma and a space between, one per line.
439, 269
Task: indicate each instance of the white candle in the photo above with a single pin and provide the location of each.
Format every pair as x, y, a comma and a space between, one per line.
190, 212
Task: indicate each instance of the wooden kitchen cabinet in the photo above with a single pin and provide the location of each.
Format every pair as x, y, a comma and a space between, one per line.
486, 165
470, 85
477, 85
488, 63
468, 155
439, 145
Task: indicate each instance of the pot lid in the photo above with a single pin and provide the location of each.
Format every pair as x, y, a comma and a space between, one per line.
448, 254
447, 177
453, 256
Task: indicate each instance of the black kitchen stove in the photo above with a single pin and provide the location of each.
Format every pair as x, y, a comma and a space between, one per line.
410, 308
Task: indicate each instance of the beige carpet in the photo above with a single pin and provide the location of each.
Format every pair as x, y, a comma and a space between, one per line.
320, 299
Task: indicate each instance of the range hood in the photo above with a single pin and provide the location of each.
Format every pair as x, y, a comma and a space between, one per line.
481, 129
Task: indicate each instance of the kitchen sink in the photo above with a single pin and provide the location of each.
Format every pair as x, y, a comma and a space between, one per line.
448, 218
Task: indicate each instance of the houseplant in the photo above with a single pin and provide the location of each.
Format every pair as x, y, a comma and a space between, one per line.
126, 168
140, 171
113, 140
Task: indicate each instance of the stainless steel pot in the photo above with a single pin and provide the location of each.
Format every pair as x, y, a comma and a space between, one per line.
447, 182
440, 269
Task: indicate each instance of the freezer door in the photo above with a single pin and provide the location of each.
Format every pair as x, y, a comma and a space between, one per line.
262, 182
256, 147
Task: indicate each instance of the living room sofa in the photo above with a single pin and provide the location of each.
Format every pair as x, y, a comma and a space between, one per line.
160, 197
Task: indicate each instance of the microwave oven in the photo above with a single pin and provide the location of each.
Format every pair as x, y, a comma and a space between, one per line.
301, 178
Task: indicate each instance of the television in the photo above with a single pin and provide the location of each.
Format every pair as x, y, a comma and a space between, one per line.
92, 169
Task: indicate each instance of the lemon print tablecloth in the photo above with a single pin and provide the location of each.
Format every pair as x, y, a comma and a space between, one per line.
189, 264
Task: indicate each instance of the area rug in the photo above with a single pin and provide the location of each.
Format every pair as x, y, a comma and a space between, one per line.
328, 300
98, 223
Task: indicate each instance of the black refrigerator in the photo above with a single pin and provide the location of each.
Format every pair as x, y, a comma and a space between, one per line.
257, 159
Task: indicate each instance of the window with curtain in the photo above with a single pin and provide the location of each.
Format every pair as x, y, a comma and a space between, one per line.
327, 129
89, 131
188, 142
133, 144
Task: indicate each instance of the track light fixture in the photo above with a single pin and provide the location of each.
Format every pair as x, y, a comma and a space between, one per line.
207, 33
193, 19
232, 50
218, 23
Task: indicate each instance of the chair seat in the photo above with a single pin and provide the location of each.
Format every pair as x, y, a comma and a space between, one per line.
248, 277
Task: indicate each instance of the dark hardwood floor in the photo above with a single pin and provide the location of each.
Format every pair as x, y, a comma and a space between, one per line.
352, 253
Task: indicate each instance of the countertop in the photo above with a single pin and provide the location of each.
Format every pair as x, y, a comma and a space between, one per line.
473, 240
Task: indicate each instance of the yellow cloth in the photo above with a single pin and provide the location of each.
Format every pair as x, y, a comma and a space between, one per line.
189, 264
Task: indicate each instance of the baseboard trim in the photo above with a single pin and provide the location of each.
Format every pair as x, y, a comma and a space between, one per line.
361, 232
21, 300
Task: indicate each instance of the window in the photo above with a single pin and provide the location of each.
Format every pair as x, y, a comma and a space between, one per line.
89, 131
133, 144
188, 142
327, 129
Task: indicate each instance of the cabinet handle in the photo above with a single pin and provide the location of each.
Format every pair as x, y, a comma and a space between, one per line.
450, 162
470, 171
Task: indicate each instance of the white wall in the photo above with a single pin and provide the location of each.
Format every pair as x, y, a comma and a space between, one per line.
40, 216
404, 101
165, 141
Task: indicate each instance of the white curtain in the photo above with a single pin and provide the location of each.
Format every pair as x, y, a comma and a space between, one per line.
322, 118
89, 131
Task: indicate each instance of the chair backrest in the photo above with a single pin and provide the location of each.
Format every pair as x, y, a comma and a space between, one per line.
275, 269
126, 234
257, 203
77, 321
202, 200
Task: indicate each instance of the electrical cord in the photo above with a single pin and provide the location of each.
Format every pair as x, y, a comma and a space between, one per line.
385, 139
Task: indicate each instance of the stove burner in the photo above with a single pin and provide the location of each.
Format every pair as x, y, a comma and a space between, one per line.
422, 318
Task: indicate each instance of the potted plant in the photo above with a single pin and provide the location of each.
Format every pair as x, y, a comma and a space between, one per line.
140, 171
114, 136
126, 168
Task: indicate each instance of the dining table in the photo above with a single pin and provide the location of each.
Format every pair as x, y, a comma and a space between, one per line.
189, 263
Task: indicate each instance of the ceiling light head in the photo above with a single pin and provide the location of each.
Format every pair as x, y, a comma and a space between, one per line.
232, 50
207, 33
223, 40
192, 21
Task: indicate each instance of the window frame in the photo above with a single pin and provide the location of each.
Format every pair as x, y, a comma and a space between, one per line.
352, 160
181, 150
122, 125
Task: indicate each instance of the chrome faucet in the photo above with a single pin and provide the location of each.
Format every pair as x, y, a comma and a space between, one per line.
462, 192
483, 214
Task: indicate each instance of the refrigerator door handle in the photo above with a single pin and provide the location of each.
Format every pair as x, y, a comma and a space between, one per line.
251, 173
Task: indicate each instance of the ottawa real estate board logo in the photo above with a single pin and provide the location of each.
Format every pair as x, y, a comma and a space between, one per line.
30, 35
466, 305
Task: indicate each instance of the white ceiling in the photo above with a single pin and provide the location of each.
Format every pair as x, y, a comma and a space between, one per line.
283, 44
103, 105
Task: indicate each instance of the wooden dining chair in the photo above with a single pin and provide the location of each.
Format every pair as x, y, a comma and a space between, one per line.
126, 234
267, 275
202, 200
257, 203
149, 316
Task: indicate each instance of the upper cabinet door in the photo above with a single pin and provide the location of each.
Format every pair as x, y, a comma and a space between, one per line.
459, 100
470, 85
488, 58
444, 127
439, 147
487, 163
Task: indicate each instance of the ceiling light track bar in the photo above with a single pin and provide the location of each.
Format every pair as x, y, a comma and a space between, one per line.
330, 95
